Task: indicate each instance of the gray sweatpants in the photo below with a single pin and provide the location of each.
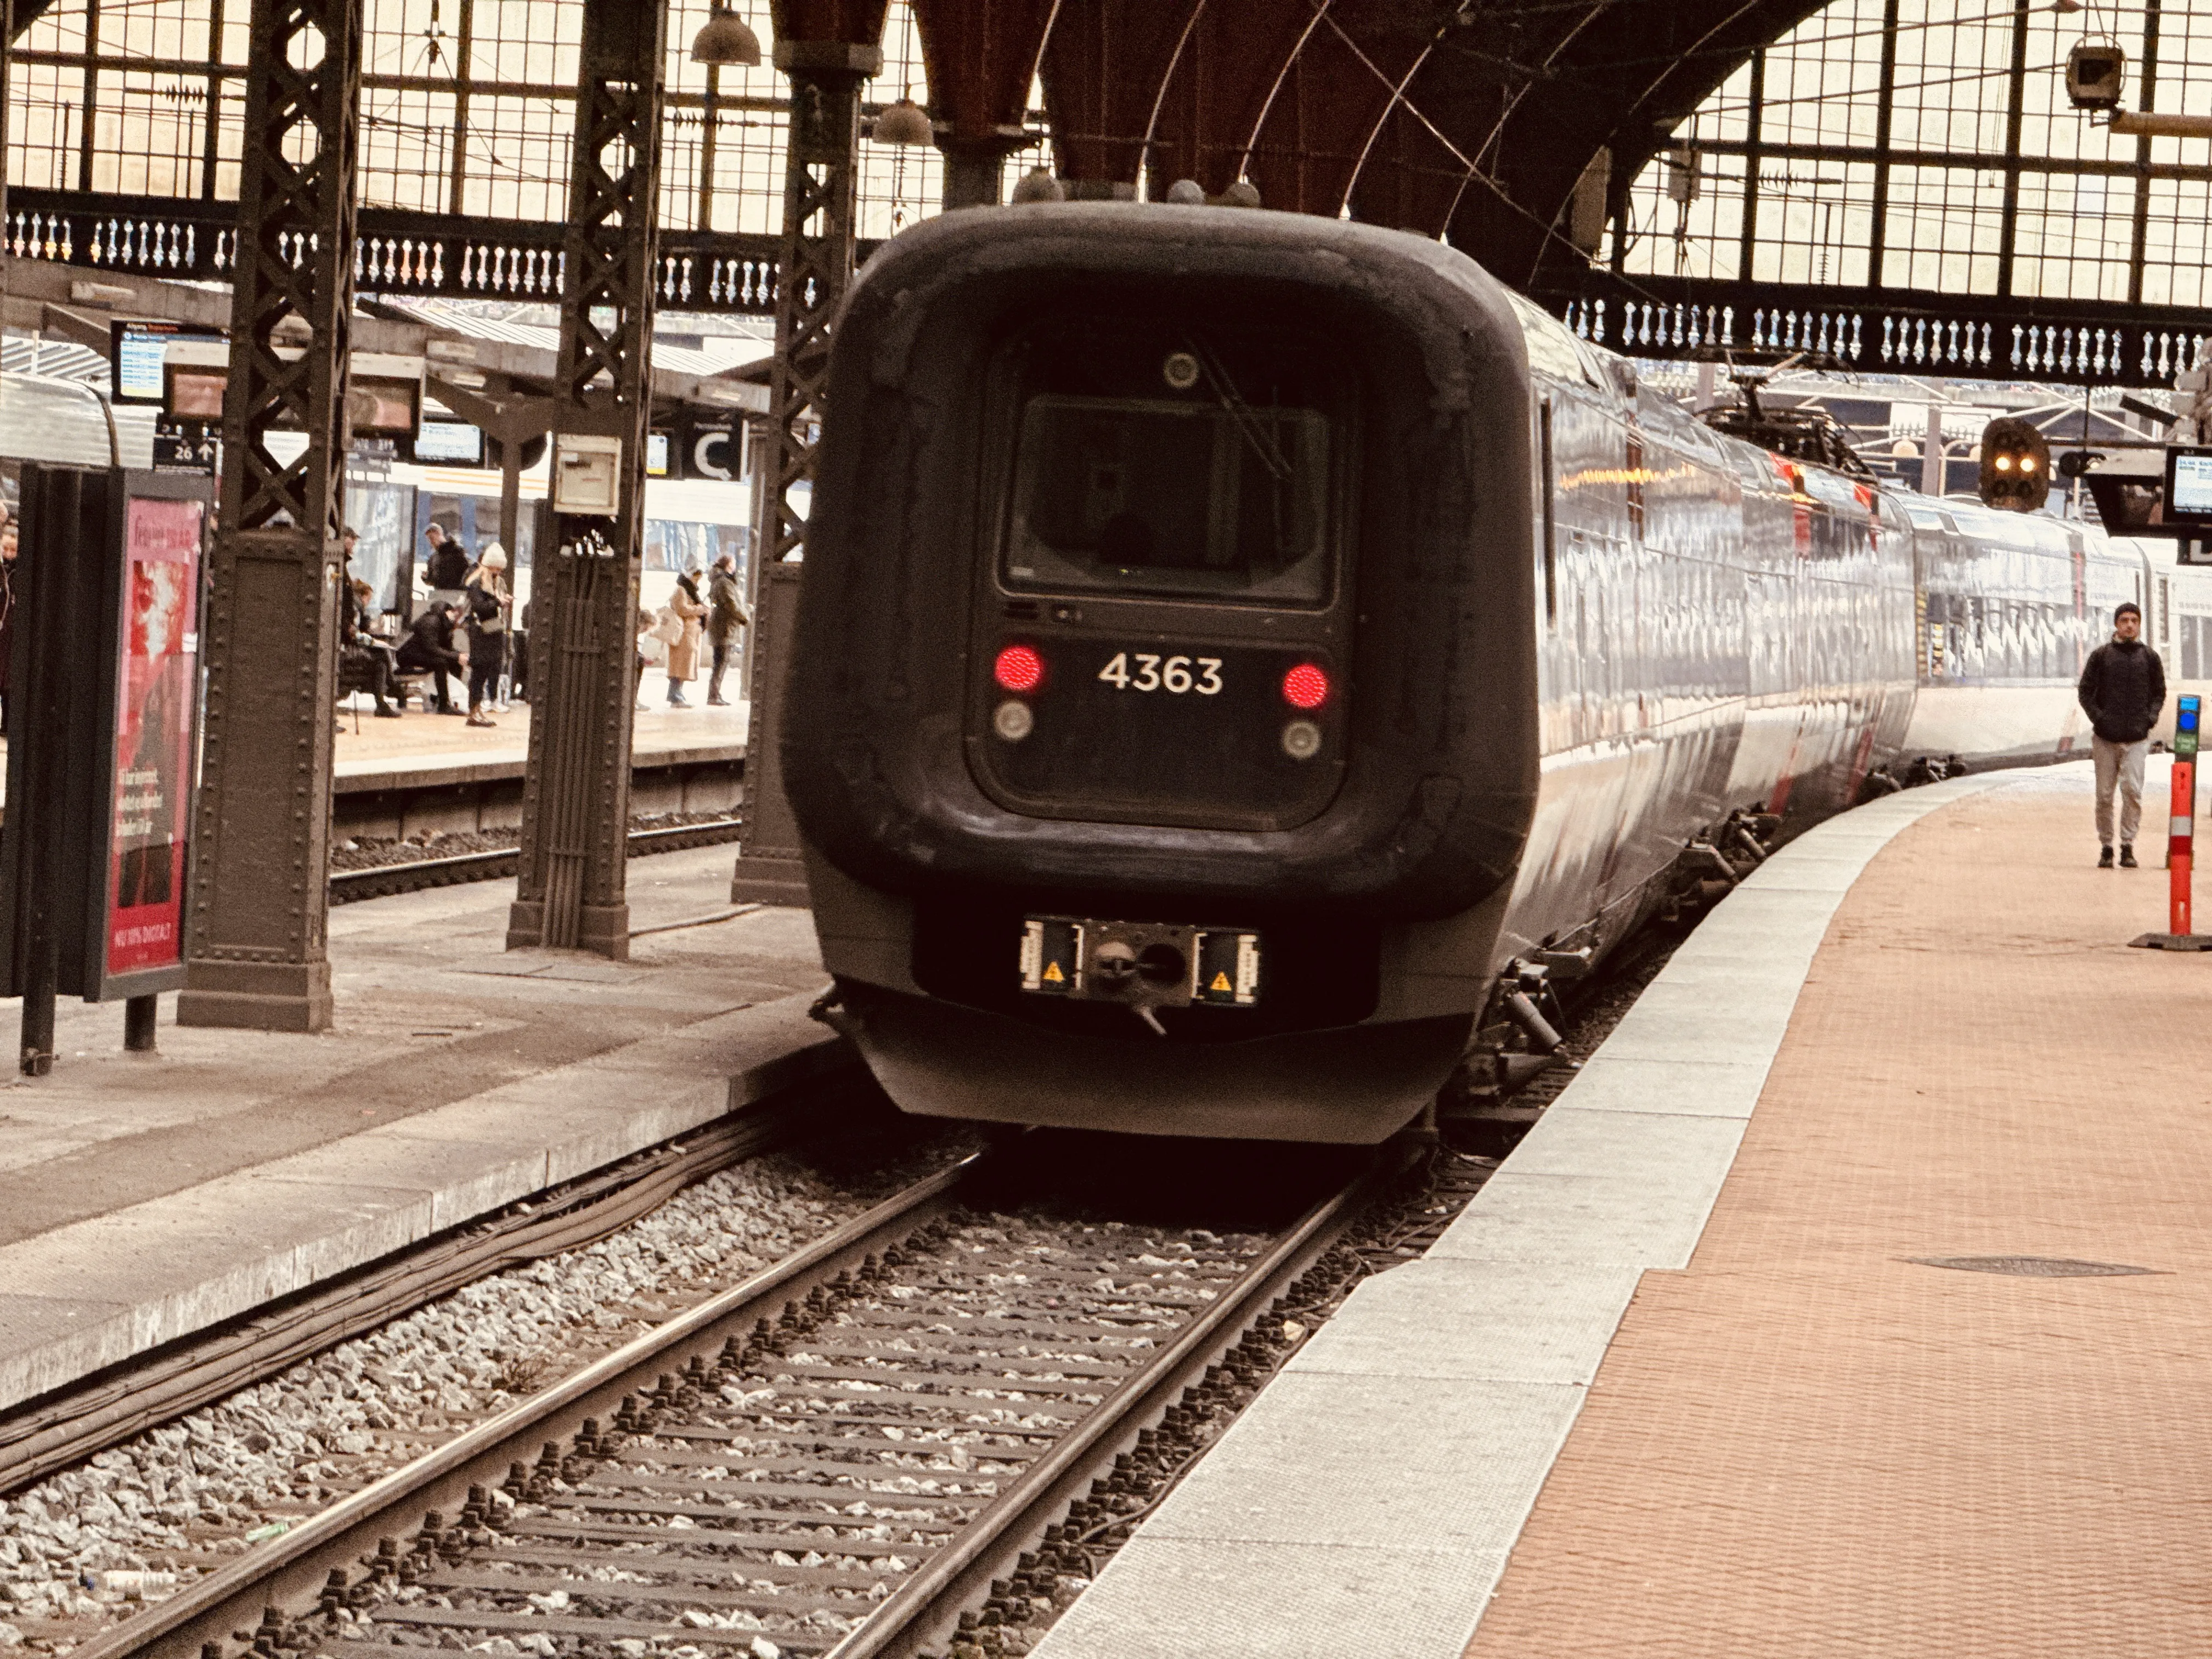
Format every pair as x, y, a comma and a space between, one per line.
2121, 764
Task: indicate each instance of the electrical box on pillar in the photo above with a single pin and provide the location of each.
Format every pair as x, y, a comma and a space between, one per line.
2015, 466
586, 472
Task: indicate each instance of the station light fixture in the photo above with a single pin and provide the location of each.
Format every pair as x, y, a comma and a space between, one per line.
724, 38
2096, 73
2015, 466
904, 123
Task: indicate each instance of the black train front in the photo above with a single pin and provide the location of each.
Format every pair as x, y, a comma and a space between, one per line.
1231, 639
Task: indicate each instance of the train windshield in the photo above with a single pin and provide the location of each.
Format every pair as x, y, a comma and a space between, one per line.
1213, 481
1171, 498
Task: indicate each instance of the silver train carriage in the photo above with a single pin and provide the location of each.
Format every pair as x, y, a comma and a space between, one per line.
1232, 643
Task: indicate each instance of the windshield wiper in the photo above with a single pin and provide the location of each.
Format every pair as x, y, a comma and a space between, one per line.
1255, 431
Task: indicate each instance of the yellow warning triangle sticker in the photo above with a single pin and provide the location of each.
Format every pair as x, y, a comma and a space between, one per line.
1221, 983
1052, 972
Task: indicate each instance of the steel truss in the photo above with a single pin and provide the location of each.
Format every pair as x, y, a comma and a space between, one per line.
1889, 332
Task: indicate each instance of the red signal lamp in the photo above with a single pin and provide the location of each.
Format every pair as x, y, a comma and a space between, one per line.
1305, 686
1019, 670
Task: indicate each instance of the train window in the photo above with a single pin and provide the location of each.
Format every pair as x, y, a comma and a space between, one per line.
1215, 498
1551, 515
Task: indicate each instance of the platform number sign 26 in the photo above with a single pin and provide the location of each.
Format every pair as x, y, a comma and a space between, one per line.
1153, 673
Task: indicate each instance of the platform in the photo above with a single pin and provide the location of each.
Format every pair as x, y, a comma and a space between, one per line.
1681, 1380
437, 773
673, 751
142, 1198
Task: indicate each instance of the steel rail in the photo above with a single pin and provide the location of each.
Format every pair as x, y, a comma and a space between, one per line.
289, 1576
922, 1613
382, 880
111, 1406
292, 1570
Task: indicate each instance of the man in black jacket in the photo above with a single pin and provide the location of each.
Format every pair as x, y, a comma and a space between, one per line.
2122, 692
430, 646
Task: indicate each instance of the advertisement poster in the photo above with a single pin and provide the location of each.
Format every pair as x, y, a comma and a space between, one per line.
154, 734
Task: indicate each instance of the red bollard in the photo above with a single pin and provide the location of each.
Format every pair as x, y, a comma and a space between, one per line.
2181, 838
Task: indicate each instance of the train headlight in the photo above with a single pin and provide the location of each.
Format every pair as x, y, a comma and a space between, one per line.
1013, 722
1302, 740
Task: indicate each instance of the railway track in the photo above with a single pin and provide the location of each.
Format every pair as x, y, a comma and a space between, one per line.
897, 1429
381, 881
919, 1436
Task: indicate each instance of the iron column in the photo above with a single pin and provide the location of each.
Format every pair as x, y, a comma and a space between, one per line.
572, 873
259, 896
820, 181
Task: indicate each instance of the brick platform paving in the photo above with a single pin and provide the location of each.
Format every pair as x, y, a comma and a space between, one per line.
1805, 1444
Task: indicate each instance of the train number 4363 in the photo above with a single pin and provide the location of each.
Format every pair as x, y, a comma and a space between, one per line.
1175, 674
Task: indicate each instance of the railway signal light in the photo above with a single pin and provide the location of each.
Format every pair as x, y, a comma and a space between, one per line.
2015, 466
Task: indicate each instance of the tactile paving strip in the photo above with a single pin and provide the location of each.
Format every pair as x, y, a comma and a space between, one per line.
1806, 1444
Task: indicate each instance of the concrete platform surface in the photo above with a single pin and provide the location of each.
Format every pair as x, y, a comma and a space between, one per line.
1370, 1501
144, 1198
419, 749
421, 742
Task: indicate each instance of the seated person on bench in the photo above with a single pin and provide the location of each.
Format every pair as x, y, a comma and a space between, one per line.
430, 646
369, 659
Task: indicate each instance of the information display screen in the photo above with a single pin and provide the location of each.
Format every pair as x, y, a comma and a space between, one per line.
449, 443
135, 353
2189, 483
156, 674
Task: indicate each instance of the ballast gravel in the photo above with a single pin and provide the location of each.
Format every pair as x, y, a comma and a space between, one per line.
142, 1521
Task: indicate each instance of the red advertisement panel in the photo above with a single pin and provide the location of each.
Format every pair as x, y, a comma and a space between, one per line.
154, 734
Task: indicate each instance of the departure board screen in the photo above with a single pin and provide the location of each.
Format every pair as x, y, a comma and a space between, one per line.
2189, 483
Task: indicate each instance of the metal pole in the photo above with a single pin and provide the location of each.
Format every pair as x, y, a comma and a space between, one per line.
259, 903
572, 870
1934, 463
139, 1015
37, 1057
820, 185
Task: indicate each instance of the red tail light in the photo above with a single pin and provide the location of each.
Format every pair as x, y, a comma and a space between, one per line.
1305, 686
1019, 669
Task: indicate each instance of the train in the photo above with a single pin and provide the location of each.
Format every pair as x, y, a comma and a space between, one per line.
1240, 654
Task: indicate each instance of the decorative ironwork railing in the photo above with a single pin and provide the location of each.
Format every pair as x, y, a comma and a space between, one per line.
1969, 337
395, 252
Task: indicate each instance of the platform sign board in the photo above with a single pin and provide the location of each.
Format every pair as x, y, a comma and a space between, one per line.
138, 351
2188, 494
150, 737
